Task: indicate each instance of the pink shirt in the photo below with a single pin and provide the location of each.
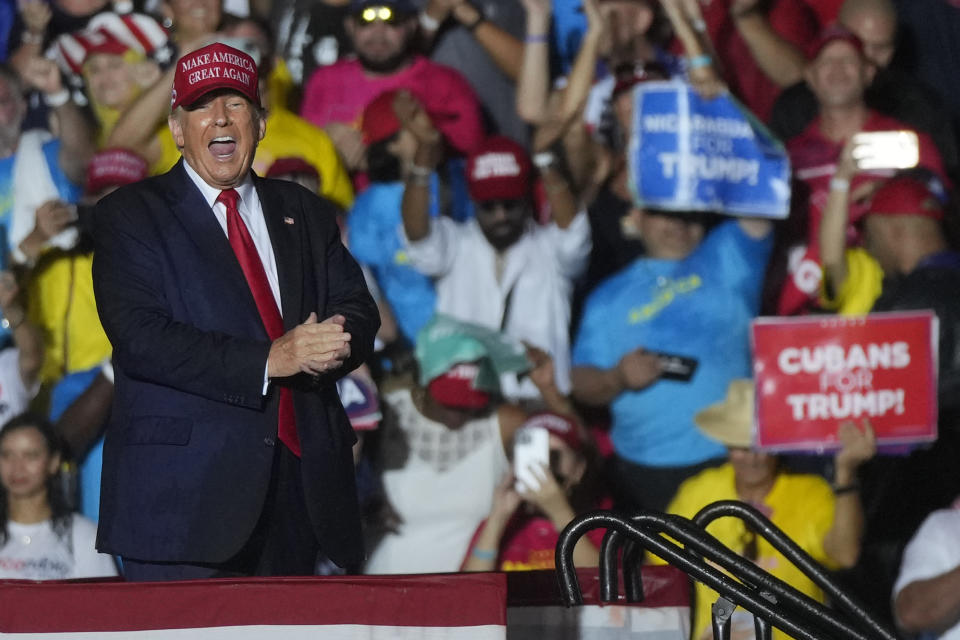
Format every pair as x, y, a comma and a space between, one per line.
339, 93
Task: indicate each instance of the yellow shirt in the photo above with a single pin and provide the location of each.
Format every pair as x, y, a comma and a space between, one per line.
801, 505
288, 135
862, 287
169, 154
62, 305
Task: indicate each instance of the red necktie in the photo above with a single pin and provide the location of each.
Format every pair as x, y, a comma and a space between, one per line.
256, 277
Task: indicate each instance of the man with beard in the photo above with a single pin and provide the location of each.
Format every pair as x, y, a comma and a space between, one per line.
382, 33
500, 269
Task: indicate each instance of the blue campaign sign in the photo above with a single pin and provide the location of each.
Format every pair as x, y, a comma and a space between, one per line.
688, 153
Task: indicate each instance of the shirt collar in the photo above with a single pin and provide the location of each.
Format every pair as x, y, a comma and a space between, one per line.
210, 194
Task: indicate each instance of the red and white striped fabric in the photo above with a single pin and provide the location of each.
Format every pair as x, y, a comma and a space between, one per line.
108, 32
440, 607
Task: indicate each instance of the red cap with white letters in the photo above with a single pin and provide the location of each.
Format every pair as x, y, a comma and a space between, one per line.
215, 66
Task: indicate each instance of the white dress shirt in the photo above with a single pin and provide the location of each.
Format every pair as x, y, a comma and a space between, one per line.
535, 274
252, 215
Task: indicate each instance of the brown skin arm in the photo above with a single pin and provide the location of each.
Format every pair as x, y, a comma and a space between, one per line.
415, 205
36, 15
68, 122
533, 86
842, 542
136, 126
505, 50
84, 420
636, 370
778, 58
505, 502
930, 605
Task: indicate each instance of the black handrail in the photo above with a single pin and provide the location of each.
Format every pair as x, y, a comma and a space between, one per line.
646, 529
698, 540
703, 543
762, 526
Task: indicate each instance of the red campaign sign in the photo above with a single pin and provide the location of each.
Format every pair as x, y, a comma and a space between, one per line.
814, 373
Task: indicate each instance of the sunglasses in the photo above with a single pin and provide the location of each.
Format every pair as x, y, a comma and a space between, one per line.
378, 12
492, 205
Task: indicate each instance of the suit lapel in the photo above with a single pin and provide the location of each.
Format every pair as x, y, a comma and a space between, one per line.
285, 228
192, 211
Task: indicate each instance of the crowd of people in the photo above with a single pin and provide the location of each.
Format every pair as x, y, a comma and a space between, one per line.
475, 157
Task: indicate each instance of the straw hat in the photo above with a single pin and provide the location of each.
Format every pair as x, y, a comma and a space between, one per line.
730, 421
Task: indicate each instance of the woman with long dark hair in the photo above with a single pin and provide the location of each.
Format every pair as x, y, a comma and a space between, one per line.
40, 538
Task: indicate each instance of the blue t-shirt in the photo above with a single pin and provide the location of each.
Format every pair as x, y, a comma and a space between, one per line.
373, 230
699, 307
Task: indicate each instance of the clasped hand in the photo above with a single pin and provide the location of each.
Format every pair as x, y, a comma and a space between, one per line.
312, 347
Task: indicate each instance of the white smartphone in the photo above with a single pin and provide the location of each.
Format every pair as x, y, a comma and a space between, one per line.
886, 149
531, 448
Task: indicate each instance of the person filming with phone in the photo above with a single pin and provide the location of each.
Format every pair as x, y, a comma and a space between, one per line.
907, 262
838, 73
554, 479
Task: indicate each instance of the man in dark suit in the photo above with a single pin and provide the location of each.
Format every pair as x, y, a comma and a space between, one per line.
228, 451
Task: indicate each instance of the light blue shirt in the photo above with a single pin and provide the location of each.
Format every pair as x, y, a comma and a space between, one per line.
375, 241
699, 307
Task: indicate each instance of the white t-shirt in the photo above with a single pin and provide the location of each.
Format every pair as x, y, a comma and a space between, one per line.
35, 552
933, 551
536, 284
441, 487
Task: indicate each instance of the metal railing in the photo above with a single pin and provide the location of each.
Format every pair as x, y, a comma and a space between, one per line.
739, 581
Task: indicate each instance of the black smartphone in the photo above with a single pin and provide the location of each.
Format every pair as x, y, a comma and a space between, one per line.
674, 367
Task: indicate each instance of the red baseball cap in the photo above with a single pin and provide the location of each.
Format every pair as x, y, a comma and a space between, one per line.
905, 195
290, 165
498, 169
215, 66
833, 33
454, 388
114, 168
379, 121
558, 425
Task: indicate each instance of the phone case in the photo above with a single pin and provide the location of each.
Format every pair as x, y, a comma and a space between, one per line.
531, 446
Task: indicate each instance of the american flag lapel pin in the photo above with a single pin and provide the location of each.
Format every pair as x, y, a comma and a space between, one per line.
287, 220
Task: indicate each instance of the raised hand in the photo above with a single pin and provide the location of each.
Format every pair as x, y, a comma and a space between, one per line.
36, 16
53, 216
542, 374
856, 446
42, 74
549, 496
414, 118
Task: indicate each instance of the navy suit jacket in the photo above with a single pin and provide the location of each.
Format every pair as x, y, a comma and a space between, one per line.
191, 438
